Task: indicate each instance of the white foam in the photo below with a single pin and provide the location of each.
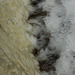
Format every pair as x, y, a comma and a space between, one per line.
61, 24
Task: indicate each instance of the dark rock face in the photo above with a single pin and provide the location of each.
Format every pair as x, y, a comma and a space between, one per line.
35, 52
43, 38
38, 13
48, 64
36, 2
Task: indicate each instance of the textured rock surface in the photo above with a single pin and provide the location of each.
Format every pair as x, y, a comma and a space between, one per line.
15, 45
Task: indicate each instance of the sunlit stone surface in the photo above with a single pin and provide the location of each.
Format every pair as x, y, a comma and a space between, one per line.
15, 39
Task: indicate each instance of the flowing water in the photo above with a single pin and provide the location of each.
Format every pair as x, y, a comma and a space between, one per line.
53, 23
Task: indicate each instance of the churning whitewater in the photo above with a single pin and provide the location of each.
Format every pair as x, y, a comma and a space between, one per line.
55, 27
